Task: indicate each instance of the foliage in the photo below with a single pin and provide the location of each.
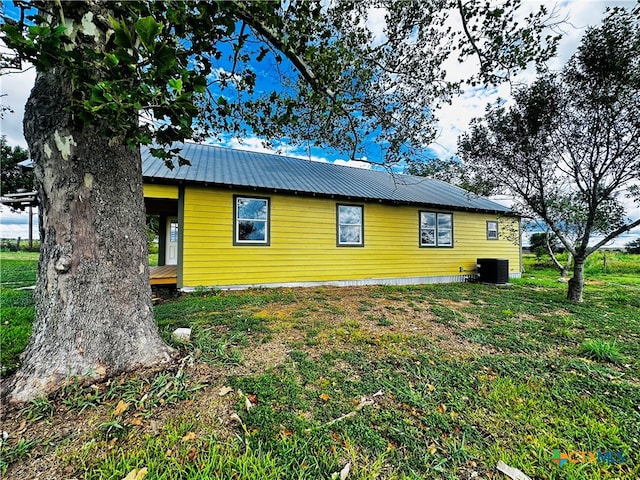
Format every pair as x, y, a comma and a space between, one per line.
12, 453
12, 175
153, 231
539, 240
568, 148
547, 243
633, 246
601, 350
191, 68
450, 170
11, 245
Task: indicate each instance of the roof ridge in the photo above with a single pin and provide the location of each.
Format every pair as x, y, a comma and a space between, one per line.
234, 167
299, 158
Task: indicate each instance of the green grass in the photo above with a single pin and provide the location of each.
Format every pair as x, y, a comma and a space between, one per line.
601, 350
17, 270
414, 382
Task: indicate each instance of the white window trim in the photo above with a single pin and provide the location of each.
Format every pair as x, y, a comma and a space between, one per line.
338, 225
237, 220
436, 243
489, 236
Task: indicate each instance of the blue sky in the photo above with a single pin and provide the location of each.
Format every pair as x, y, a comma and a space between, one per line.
453, 119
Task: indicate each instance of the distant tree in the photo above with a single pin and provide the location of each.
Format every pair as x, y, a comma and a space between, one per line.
12, 175
153, 228
633, 246
568, 149
450, 170
547, 242
544, 240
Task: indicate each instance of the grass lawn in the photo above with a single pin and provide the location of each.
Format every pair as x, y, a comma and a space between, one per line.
421, 382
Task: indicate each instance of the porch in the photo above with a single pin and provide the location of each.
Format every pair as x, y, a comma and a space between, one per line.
163, 275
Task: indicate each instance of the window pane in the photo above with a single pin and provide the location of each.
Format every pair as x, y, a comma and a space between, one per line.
444, 221
252, 208
428, 236
173, 232
252, 222
427, 220
492, 230
252, 231
350, 234
350, 225
349, 215
444, 238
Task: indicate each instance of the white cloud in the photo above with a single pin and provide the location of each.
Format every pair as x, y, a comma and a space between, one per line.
16, 224
354, 163
376, 23
15, 88
255, 144
454, 119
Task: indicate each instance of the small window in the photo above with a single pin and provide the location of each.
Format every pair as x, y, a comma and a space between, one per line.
173, 231
436, 229
350, 226
492, 230
251, 221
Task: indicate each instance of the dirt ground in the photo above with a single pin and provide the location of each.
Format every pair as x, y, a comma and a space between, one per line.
327, 316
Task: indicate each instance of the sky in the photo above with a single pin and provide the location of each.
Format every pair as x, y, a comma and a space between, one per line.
453, 119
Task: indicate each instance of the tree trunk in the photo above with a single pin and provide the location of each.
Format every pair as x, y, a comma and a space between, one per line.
94, 315
565, 268
576, 283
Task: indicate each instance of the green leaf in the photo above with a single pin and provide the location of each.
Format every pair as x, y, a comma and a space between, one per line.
36, 30
165, 58
111, 60
176, 84
148, 29
122, 35
199, 84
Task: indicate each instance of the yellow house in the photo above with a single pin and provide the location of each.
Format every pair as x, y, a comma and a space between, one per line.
237, 219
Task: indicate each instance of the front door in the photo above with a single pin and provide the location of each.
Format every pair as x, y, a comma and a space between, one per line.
171, 251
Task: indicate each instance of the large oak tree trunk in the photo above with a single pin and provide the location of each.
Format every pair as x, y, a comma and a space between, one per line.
93, 306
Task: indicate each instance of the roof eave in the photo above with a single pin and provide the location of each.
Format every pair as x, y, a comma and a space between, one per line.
355, 198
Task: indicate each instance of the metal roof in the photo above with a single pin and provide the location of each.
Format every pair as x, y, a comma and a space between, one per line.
213, 165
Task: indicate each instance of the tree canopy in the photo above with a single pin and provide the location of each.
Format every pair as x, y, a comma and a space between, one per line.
633, 246
193, 69
568, 148
12, 175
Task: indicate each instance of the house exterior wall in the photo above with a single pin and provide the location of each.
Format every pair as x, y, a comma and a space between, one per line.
152, 190
302, 245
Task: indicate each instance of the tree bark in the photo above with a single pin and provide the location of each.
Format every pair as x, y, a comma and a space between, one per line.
94, 315
576, 283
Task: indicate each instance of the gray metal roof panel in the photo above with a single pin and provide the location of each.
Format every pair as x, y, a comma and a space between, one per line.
239, 168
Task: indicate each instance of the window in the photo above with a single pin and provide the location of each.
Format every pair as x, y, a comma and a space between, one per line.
251, 221
492, 230
350, 226
436, 229
173, 231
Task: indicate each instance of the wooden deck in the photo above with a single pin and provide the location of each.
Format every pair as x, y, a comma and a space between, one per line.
164, 275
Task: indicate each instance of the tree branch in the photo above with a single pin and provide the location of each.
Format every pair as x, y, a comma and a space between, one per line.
467, 33
614, 234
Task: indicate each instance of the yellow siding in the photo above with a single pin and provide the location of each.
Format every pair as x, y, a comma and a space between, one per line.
303, 243
160, 191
